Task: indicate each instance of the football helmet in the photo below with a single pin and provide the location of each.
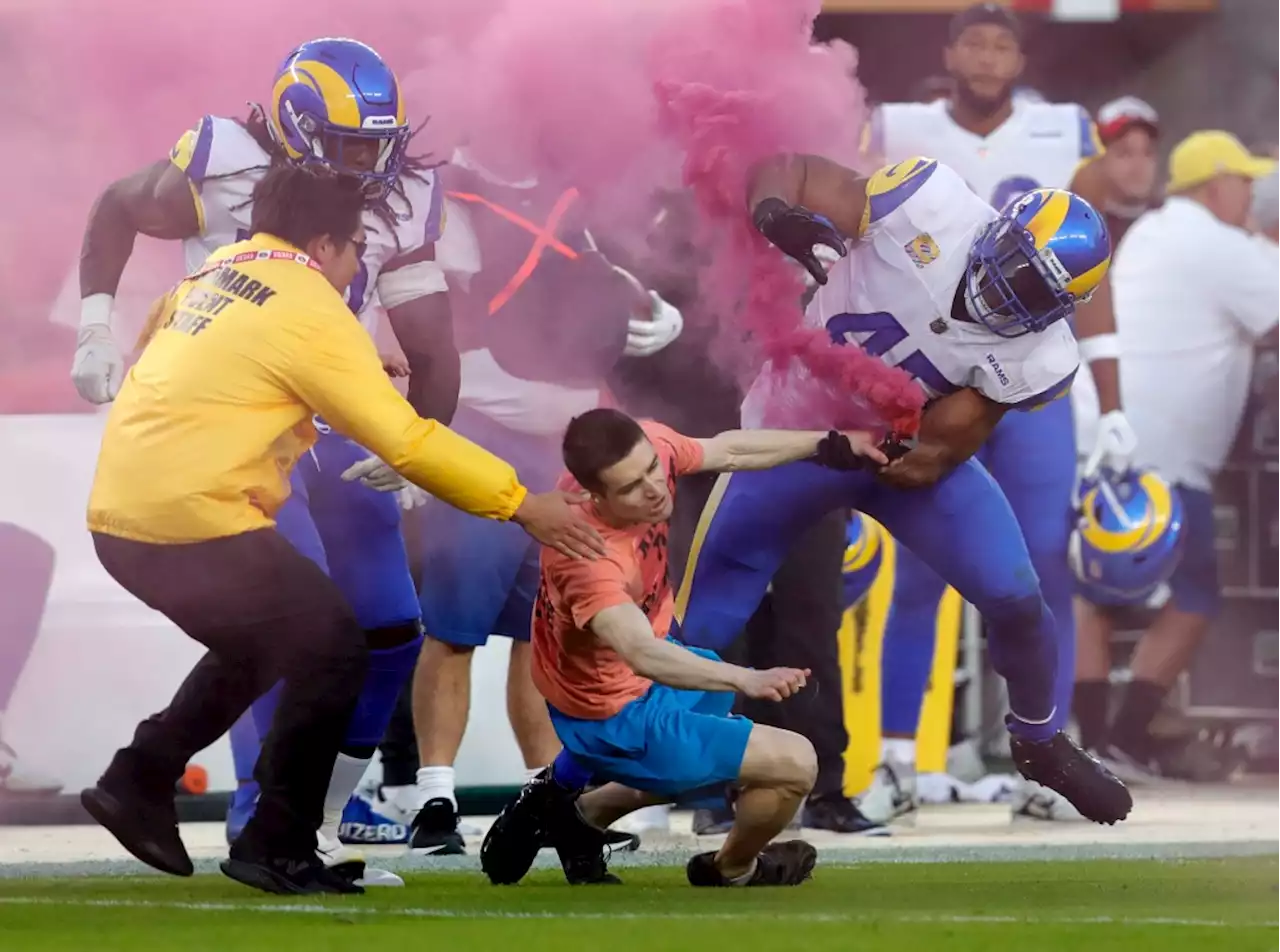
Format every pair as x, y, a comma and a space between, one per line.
336, 103
1128, 536
863, 556
1046, 252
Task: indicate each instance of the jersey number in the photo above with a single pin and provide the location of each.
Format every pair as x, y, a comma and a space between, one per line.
358, 288
886, 334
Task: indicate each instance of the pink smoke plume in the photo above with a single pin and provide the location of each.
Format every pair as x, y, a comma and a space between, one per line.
627, 99
794, 97
623, 99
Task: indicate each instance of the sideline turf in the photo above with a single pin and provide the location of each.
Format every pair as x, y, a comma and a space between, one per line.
956, 907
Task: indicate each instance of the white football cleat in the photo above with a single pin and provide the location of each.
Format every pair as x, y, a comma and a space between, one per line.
343, 859
892, 792
1040, 803
16, 779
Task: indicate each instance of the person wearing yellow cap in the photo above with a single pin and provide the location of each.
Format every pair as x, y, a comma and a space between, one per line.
1194, 293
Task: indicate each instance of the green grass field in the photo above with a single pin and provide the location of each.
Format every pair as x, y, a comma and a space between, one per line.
1199, 905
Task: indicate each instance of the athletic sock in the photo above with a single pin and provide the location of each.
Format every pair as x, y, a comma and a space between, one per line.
1130, 732
900, 750
436, 783
347, 771
1089, 707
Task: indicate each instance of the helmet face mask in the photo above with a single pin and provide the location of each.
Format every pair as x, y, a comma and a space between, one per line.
336, 104
1042, 255
1009, 286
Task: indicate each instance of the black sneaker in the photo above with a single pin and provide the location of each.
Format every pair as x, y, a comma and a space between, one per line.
435, 830
620, 842
287, 876
1061, 765
513, 841
144, 824
779, 864
839, 814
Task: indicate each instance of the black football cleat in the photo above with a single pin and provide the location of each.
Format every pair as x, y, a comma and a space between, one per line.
1061, 765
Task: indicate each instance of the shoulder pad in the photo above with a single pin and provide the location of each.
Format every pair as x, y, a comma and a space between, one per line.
891, 186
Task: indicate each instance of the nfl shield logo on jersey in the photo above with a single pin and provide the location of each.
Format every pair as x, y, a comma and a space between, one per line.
922, 249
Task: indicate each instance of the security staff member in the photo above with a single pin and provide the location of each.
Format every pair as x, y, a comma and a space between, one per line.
194, 462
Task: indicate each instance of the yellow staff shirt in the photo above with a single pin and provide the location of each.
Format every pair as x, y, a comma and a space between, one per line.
210, 421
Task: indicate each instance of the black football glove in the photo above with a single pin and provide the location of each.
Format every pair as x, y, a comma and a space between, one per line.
836, 452
795, 230
895, 446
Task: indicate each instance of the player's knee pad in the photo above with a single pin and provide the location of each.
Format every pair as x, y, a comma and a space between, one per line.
388, 670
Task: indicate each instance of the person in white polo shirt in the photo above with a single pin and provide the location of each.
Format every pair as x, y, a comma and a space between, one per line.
1194, 294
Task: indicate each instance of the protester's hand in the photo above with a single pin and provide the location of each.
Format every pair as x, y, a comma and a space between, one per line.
553, 520
774, 684
395, 365
795, 231
852, 449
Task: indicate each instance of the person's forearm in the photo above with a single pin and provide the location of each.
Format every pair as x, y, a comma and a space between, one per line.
667, 663
1106, 380
737, 450
780, 176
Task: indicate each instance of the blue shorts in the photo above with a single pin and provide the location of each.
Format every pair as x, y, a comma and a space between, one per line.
667, 742
351, 531
1194, 582
479, 576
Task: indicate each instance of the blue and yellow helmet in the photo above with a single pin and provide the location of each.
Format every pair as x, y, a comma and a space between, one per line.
1128, 537
863, 555
1045, 253
336, 103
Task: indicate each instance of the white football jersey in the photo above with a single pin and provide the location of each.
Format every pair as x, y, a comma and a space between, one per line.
223, 162
1040, 145
893, 295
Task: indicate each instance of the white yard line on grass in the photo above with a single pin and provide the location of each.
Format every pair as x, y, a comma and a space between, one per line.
441, 913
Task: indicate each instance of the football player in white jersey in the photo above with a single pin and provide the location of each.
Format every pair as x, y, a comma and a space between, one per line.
1002, 146
975, 306
334, 104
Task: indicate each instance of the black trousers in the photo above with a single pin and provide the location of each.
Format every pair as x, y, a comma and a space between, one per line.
797, 626
266, 613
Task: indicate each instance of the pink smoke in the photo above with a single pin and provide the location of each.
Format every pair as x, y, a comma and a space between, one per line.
622, 99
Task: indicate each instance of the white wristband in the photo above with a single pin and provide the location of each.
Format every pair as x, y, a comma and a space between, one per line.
96, 309
1100, 347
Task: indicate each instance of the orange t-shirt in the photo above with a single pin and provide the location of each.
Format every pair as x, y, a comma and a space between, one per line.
576, 672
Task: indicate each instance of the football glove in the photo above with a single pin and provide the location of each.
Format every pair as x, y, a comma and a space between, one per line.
795, 231
98, 368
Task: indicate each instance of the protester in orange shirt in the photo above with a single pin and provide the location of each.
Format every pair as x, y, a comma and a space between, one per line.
634, 709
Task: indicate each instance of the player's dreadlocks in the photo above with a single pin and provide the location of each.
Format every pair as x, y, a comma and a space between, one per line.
414, 167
